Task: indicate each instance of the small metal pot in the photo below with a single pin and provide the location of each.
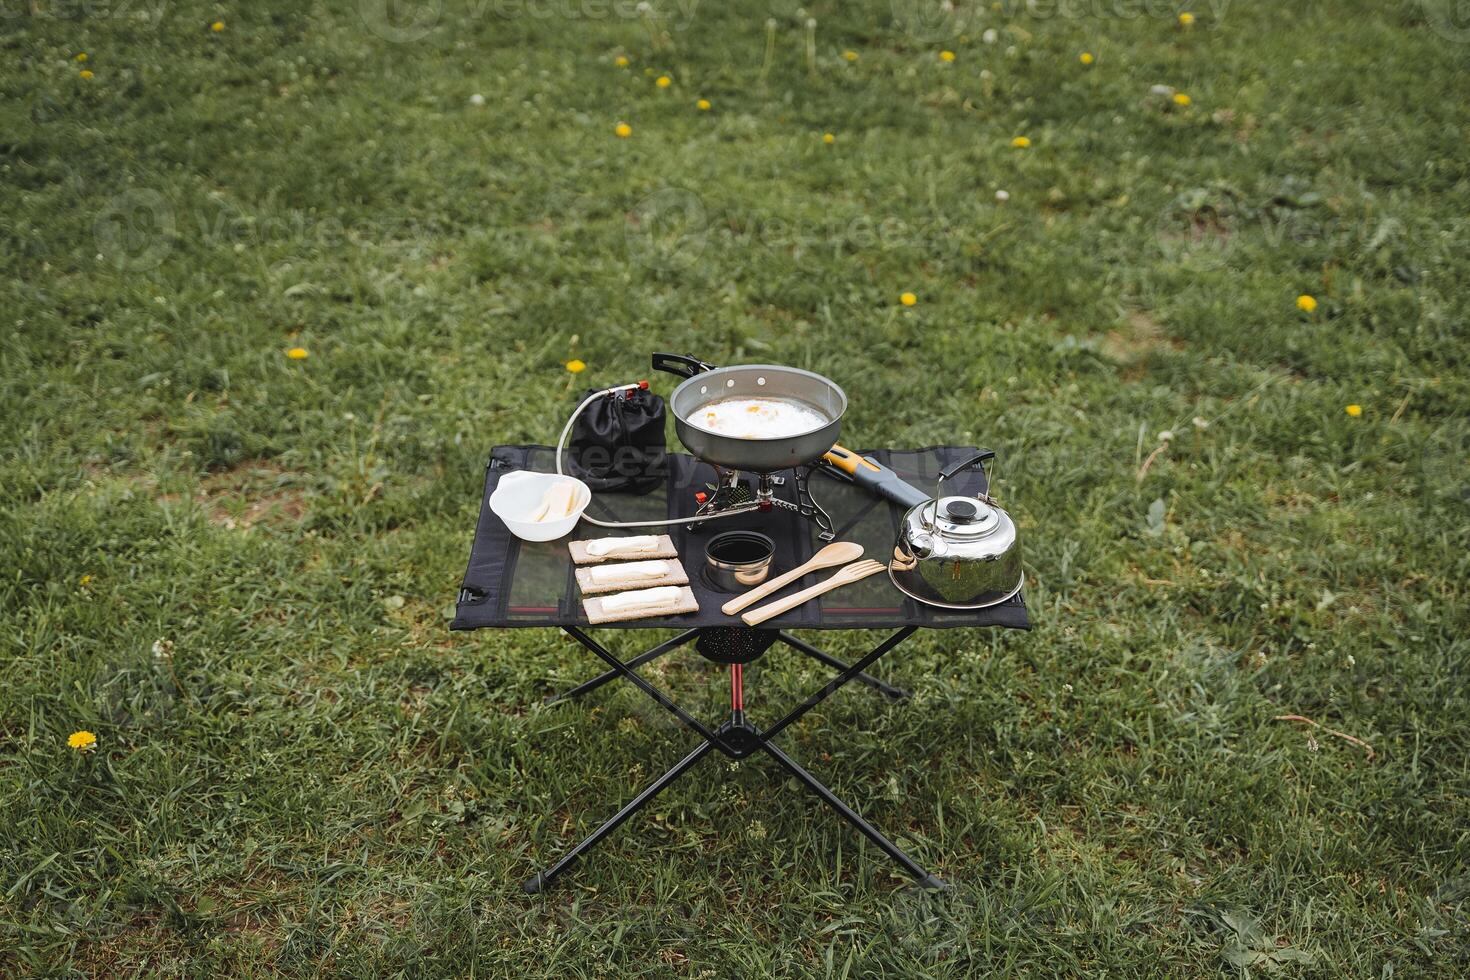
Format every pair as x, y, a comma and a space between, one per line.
738, 560
957, 552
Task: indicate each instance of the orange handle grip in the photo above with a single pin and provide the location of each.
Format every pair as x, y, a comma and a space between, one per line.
874, 476
848, 461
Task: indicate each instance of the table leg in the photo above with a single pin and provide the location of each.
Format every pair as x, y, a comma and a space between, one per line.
848, 674
895, 693
541, 879
690, 722
922, 877
586, 687
738, 738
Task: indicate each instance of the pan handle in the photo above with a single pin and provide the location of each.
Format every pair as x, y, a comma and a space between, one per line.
683, 365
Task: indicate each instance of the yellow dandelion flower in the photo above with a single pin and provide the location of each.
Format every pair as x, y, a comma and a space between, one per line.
85, 581
82, 740
946, 56
81, 56
1306, 303
623, 130
1186, 18
576, 366
298, 353
1354, 410
1021, 142
850, 55
621, 61
217, 26
664, 81
908, 299
84, 73
828, 138
1086, 58
1181, 99
702, 105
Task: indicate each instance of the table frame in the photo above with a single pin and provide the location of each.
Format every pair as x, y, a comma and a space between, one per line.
737, 737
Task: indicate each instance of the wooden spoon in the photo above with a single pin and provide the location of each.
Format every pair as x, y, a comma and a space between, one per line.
836, 553
843, 576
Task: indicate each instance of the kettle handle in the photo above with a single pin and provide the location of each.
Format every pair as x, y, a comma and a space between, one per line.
950, 471
979, 457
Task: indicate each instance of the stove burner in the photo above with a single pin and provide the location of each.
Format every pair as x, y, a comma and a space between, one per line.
732, 493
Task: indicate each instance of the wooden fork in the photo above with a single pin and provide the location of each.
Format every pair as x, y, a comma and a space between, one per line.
845, 576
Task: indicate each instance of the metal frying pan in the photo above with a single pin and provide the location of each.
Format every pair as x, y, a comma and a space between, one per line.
706, 383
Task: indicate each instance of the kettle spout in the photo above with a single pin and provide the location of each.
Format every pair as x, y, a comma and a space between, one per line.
926, 546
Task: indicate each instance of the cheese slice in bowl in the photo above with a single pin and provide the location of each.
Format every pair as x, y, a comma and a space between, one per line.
559, 501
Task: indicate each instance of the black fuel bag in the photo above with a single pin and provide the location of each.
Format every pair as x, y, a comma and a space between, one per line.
617, 443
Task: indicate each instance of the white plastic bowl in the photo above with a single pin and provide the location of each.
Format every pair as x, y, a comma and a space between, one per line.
518, 494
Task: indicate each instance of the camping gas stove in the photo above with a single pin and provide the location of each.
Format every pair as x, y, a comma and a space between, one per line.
733, 457
734, 494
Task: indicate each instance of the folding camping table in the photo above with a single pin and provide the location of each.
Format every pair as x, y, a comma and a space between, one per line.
512, 584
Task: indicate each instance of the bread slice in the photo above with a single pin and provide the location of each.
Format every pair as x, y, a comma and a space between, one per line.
603, 578
680, 601
660, 546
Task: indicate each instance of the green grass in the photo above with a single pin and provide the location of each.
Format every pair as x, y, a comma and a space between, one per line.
309, 774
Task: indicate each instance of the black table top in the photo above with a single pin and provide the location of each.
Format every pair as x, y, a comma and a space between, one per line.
515, 584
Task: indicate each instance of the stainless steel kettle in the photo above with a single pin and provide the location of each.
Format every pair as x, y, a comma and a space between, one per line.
958, 552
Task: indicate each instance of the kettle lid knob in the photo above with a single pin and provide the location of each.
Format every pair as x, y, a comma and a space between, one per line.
961, 511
